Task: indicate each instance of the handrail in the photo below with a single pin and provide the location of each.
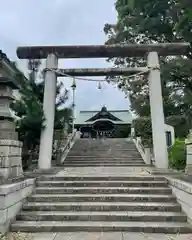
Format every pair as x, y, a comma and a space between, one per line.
69, 140
69, 143
145, 152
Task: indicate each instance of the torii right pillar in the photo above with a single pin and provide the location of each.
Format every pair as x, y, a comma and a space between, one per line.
157, 113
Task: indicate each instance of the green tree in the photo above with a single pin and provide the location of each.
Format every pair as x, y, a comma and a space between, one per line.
29, 108
148, 22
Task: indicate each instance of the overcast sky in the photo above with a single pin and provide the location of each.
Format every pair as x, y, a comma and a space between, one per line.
60, 22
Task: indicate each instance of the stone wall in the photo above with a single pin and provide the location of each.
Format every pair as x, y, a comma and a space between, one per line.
183, 192
10, 158
12, 197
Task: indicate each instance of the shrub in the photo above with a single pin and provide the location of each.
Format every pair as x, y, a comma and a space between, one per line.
180, 125
122, 131
142, 126
177, 155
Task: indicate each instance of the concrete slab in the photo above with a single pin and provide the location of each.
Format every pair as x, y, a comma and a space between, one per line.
78, 236
103, 171
107, 236
145, 236
43, 236
29, 236
111, 236
97, 236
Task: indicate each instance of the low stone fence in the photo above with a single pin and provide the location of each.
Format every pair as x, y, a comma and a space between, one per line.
183, 192
12, 197
144, 152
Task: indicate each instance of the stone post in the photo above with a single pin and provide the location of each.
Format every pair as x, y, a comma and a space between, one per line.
188, 143
46, 141
157, 114
132, 132
10, 147
66, 127
60, 141
147, 156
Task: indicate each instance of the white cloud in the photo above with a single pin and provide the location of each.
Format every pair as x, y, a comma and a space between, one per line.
62, 22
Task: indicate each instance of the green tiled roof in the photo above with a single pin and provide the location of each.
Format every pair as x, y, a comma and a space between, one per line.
124, 115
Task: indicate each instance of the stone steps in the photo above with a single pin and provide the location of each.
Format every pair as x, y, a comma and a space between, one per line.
101, 198
105, 154
104, 164
98, 150
100, 160
102, 183
101, 206
101, 216
108, 158
102, 178
67, 161
113, 160
94, 226
104, 160
103, 190
102, 203
108, 148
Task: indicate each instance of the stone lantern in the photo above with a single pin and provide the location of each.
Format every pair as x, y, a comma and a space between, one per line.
10, 147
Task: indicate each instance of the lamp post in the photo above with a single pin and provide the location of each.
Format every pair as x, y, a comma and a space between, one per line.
73, 86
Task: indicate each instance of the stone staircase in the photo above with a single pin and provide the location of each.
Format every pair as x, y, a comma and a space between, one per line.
109, 152
102, 203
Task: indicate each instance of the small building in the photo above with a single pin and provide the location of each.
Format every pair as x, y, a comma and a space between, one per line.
108, 123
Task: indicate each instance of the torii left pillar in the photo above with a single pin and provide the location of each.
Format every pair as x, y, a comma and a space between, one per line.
46, 141
157, 114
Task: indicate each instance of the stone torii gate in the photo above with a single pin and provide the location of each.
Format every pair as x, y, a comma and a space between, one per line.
152, 51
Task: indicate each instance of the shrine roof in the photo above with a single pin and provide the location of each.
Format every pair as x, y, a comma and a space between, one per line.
124, 116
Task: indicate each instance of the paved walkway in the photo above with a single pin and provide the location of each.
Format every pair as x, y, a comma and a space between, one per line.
100, 236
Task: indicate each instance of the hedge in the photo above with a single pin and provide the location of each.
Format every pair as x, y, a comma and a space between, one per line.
177, 155
142, 126
180, 125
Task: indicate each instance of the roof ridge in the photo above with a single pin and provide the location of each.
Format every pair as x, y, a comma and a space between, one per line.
89, 111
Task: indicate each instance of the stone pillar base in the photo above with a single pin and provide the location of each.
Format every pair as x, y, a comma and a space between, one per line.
10, 159
188, 169
7, 127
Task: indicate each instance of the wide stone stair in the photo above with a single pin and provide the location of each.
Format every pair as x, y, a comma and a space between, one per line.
109, 152
102, 203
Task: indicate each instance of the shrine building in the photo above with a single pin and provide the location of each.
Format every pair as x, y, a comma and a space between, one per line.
108, 123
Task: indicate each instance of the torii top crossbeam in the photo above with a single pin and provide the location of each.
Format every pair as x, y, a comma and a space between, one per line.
102, 51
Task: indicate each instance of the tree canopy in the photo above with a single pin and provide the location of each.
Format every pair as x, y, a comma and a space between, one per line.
150, 21
28, 108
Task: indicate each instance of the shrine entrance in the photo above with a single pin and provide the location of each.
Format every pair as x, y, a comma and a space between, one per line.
100, 129
150, 51
103, 126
